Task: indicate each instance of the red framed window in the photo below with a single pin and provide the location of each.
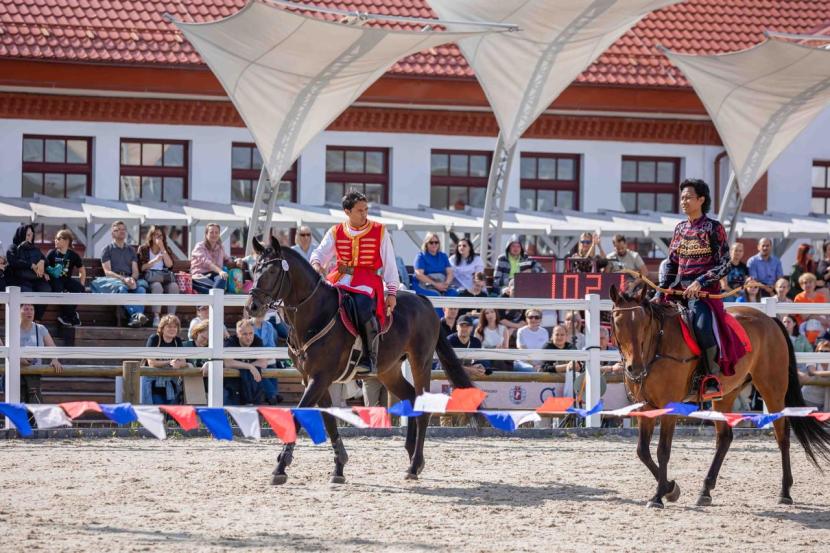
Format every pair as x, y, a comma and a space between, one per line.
650, 183
459, 178
154, 170
355, 168
246, 165
821, 188
549, 181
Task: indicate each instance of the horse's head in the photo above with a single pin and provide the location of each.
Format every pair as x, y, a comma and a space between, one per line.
271, 279
631, 319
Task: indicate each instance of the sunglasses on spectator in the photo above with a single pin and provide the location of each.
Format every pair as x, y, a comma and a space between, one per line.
585, 241
431, 242
304, 234
532, 317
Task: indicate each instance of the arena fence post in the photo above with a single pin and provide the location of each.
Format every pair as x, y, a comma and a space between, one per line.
13, 345
592, 369
131, 381
216, 344
771, 309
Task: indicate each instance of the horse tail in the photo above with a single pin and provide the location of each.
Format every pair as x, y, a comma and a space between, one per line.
811, 434
450, 362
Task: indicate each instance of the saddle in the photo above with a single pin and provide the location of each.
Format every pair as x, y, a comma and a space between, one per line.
347, 310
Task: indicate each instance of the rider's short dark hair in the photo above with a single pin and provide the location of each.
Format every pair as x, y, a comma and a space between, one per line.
701, 189
353, 198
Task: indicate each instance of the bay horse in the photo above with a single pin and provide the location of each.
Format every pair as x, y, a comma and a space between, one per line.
660, 367
320, 346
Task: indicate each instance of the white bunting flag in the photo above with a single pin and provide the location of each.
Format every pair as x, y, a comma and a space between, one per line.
248, 420
797, 411
49, 416
708, 416
151, 418
432, 403
521, 417
347, 416
622, 411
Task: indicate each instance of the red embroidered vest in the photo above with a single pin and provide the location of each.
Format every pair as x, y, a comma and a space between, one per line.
359, 256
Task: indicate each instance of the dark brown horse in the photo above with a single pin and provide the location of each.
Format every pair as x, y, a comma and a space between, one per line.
320, 346
660, 367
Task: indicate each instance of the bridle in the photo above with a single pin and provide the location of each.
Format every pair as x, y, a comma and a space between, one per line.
277, 300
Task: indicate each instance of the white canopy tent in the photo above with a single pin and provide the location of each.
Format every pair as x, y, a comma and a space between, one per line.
290, 75
759, 100
523, 72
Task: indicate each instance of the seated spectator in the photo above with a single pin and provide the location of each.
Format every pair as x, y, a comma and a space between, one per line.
466, 264
493, 335
782, 290
164, 390
199, 338
574, 325
764, 267
28, 266
433, 271
302, 242
751, 292
624, 258
803, 264
512, 319
33, 334
266, 332
464, 339
3, 266
817, 396
59, 265
155, 261
532, 336
800, 343
738, 271
249, 385
203, 315
120, 264
823, 269
208, 262
588, 257
449, 319
479, 290
559, 341
809, 294
508, 264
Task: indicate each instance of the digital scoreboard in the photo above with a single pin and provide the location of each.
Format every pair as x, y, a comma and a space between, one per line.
566, 286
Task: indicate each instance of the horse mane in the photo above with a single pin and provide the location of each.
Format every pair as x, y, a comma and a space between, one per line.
659, 310
295, 259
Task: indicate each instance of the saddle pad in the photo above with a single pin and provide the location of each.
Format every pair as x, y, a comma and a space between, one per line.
689, 338
734, 325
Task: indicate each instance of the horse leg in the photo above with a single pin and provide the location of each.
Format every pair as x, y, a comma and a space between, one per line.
402, 389
782, 436
722, 443
421, 378
644, 445
313, 392
340, 455
663, 454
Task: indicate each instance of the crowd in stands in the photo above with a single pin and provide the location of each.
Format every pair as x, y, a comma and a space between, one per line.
149, 268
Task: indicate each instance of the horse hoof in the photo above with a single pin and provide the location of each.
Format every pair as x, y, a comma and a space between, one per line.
655, 505
279, 479
410, 476
335, 479
674, 494
783, 500
704, 501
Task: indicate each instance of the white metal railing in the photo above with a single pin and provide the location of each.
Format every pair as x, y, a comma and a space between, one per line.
215, 352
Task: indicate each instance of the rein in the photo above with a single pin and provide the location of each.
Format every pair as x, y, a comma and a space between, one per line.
673, 292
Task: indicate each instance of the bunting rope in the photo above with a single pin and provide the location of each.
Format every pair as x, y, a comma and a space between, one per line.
282, 420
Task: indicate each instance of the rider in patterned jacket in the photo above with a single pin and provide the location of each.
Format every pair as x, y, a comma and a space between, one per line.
698, 258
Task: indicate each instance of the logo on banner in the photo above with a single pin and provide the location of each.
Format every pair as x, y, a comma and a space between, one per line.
546, 393
517, 395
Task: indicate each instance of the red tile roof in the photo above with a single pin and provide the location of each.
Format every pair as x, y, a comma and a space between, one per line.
135, 32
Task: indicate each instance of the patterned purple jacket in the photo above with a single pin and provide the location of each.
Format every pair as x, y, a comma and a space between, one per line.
698, 251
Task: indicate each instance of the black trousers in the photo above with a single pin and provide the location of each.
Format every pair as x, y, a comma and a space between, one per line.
702, 319
365, 308
67, 285
36, 286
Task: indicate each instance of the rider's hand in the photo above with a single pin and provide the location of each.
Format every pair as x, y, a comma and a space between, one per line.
692, 291
391, 302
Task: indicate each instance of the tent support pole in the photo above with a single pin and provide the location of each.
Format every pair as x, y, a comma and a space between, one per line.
730, 206
258, 200
495, 201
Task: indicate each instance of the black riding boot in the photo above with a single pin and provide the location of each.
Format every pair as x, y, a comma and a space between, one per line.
369, 337
711, 388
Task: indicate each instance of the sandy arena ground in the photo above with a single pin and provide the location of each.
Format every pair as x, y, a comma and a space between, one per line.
476, 494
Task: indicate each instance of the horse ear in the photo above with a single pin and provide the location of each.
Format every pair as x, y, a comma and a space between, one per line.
615, 295
275, 244
258, 248
643, 296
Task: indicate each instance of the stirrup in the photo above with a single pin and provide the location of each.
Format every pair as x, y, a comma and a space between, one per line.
710, 395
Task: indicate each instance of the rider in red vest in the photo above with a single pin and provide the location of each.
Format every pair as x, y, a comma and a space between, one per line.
365, 266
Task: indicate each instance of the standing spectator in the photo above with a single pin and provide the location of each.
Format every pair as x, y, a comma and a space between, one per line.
738, 271
302, 242
623, 258
782, 290
33, 334
120, 264
209, 263
164, 390
433, 271
559, 341
203, 315
803, 264
463, 339
59, 265
763, 266
466, 264
823, 268
155, 261
588, 255
532, 336
28, 266
266, 332
250, 387
509, 263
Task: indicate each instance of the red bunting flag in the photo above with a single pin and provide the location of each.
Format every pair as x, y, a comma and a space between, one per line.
375, 417
465, 400
555, 405
77, 408
185, 415
821, 417
732, 419
281, 421
652, 414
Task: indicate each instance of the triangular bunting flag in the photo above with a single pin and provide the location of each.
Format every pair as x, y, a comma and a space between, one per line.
651, 414
501, 420
586, 412
347, 416
432, 403
281, 422
247, 418
119, 413
152, 419
312, 421
764, 419
77, 408
404, 409
707, 416
732, 419
821, 417
216, 421
465, 400
185, 415
375, 417
49, 416
681, 409
16, 412
555, 405
797, 411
